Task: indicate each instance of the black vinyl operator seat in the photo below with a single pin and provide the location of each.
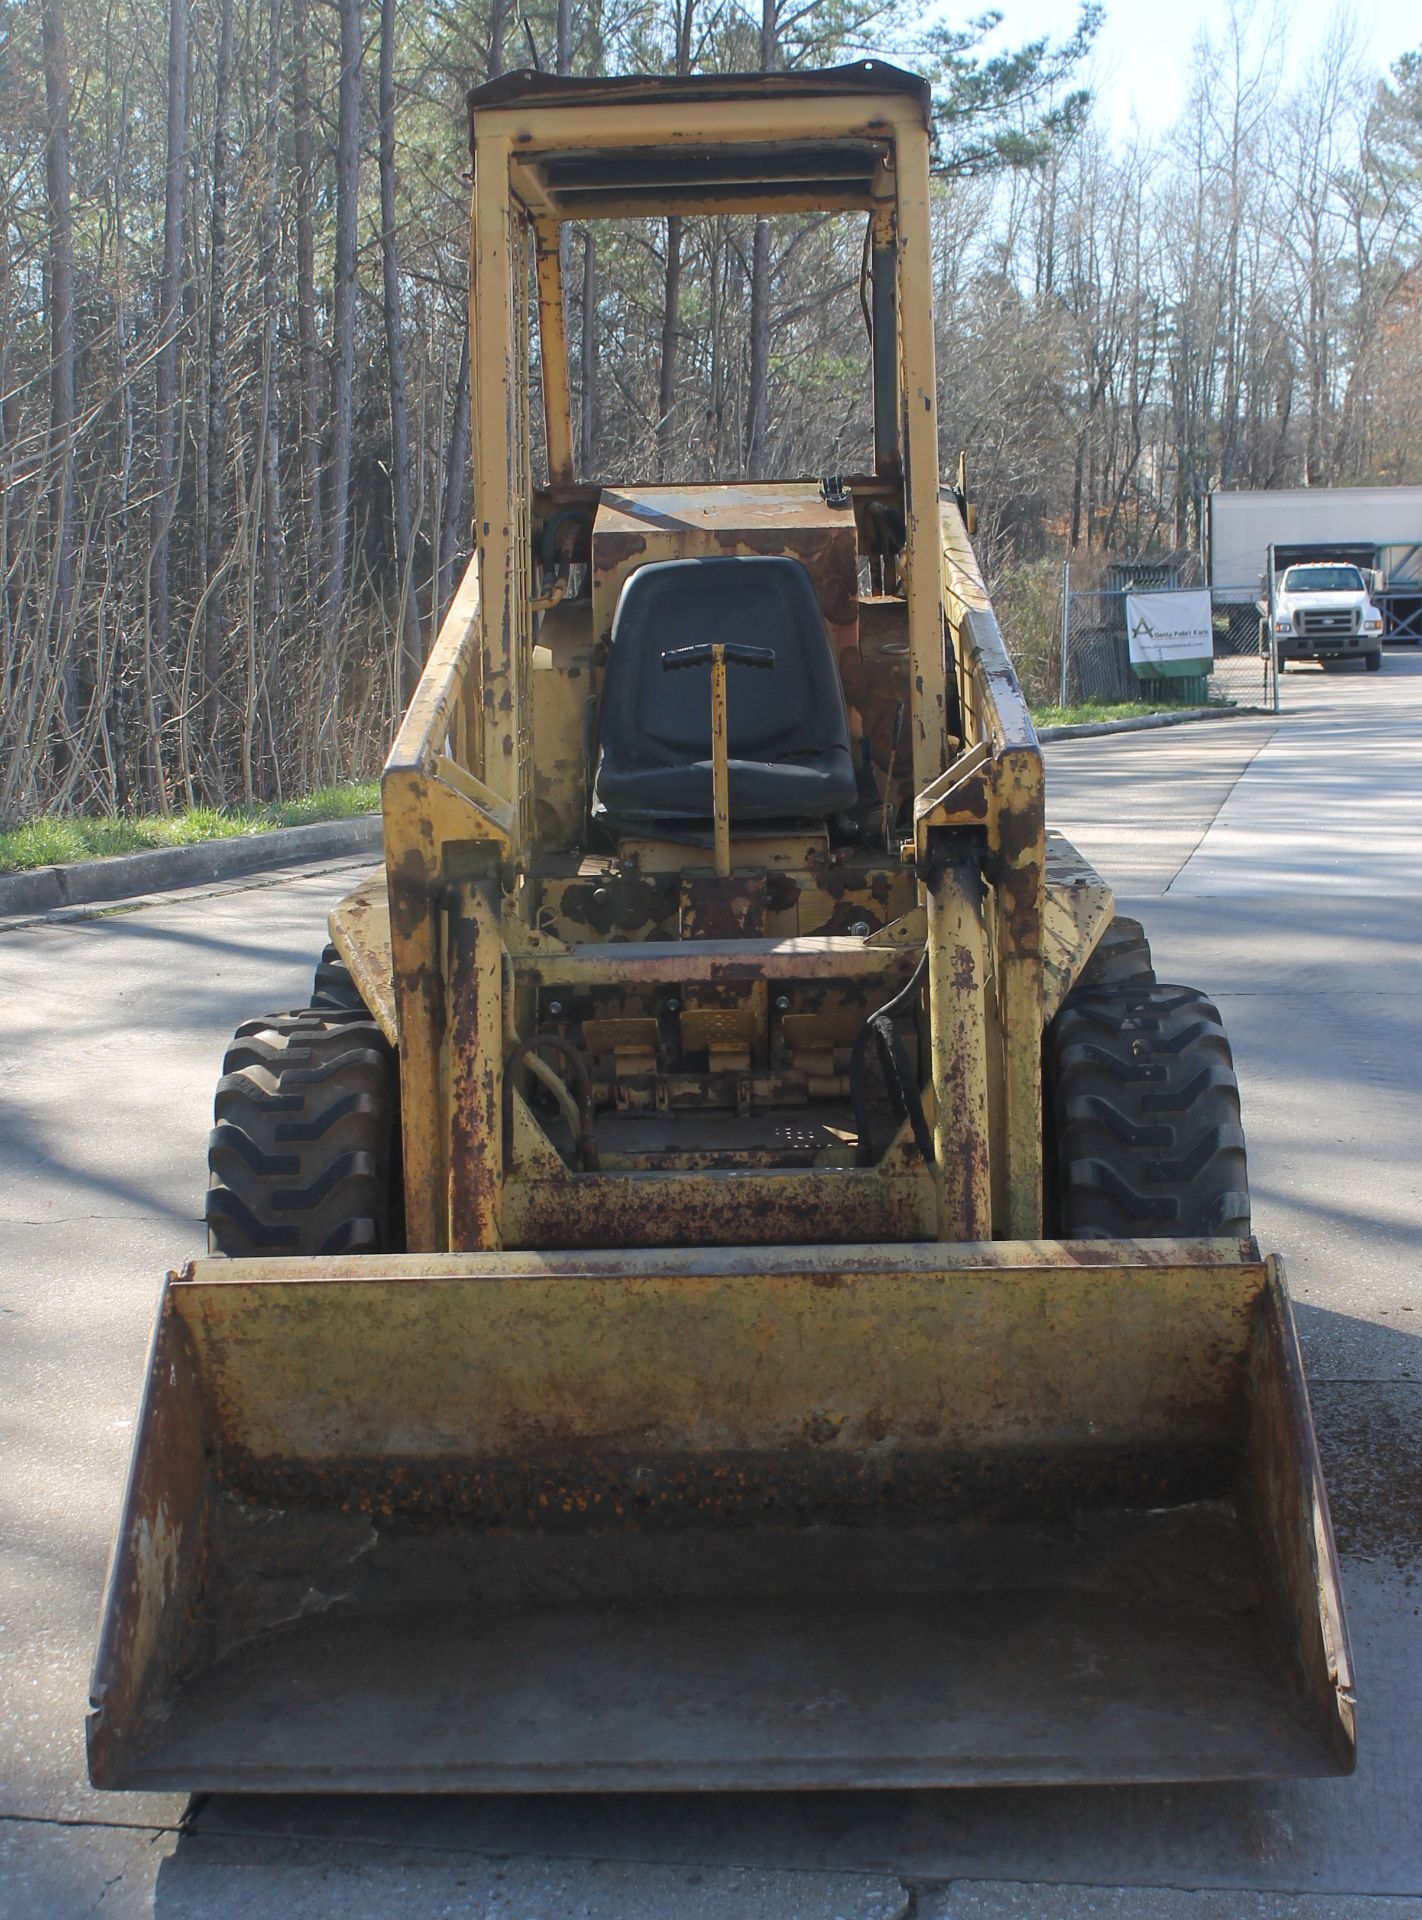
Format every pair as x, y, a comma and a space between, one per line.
787, 737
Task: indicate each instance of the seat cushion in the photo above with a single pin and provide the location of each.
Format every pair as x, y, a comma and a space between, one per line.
788, 738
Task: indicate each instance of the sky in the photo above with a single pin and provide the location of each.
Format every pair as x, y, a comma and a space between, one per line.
1140, 68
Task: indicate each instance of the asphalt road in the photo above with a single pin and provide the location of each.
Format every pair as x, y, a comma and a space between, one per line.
1278, 863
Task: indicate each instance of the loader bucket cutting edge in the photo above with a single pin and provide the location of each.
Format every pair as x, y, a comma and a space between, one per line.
745, 1518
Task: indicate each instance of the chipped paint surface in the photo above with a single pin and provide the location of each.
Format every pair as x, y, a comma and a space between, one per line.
604, 1435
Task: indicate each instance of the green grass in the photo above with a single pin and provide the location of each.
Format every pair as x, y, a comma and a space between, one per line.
1090, 710
55, 840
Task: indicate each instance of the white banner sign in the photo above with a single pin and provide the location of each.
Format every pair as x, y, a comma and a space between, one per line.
1169, 626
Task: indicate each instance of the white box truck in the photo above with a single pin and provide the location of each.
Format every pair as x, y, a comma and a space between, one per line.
1377, 530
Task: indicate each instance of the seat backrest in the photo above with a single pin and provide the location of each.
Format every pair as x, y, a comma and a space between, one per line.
651, 718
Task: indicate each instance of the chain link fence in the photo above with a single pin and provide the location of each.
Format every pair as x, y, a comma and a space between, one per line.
1095, 663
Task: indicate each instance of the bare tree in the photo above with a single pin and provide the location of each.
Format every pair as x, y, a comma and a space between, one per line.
683, 16
215, 612
309, 430
345, 294
61, 351
758, 375
408, 625
157, 659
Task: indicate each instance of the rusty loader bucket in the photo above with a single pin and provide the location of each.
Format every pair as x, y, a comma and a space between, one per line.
804, 1517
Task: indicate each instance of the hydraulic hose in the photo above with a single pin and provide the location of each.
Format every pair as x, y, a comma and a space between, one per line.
577, 1065
898, 1074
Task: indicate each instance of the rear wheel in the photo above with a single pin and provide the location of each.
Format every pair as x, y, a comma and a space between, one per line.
333, 985
303, 1155
1145, 1134
1120, 958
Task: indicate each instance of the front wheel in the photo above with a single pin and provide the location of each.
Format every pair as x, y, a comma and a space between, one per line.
1144, 1133
1373, 660
303, 1157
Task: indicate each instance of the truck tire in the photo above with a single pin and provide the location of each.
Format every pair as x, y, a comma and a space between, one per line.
303, 1156
1373, 660
1145, 1135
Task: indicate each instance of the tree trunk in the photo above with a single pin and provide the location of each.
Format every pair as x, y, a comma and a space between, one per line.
309, 428
165, 381
588, 409
671, 293
758, 372
273, 529
563, 64
343, 319
9, 392
563, 43
671, 327
61, 364
454, 518
408, 620
215, 616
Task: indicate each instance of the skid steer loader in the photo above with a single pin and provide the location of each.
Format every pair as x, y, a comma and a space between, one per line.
741, 1276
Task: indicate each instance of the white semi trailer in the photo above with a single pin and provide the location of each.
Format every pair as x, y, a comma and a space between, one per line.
1378, 529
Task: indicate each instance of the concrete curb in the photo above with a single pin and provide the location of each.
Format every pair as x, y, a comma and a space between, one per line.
1144, 722
122, 876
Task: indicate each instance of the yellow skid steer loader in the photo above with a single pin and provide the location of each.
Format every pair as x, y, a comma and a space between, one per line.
741, 1277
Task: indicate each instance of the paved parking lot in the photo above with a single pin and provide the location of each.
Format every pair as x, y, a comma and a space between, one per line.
1278, 863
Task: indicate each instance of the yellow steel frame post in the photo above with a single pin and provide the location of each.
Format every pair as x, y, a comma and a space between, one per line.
475, 1053
957, 981
923, 572
471, 694
1020, 899
720, 771
553, 353
884, 343
416, 959
1017, 833
494, 381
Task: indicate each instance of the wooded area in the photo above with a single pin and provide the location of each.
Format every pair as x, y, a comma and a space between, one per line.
234, 438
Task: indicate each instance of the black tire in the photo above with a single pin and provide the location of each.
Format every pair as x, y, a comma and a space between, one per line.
1121, 958
1373, 661
333, 985
303, 1157
1146, 1138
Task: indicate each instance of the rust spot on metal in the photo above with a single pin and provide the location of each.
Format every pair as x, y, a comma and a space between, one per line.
732, 908
633, 905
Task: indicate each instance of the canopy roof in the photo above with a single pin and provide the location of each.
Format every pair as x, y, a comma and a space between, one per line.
764, 143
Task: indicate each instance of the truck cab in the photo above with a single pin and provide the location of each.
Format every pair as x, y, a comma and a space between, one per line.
1324, 611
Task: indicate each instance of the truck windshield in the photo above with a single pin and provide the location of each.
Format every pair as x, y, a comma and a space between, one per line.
1323, 580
